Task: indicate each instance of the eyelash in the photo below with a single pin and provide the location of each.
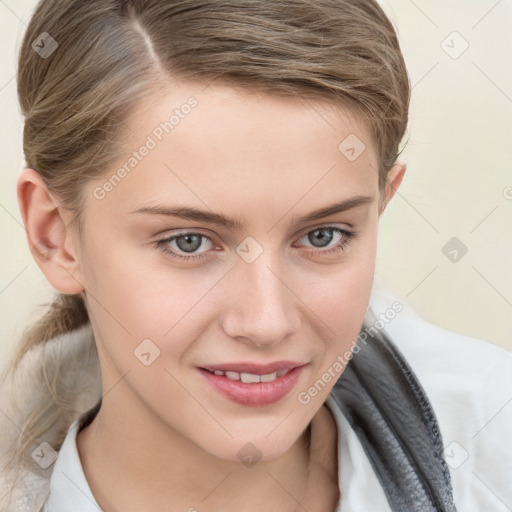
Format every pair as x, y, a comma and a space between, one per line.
348, 238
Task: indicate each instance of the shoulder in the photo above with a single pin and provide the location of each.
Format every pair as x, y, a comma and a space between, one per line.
469, 383
443, 360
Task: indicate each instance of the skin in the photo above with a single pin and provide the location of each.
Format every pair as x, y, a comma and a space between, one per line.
164, 439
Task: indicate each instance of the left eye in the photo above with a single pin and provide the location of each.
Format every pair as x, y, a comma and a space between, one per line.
190, 242
325, 234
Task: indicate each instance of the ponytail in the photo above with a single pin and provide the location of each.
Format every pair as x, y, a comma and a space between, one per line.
65, 313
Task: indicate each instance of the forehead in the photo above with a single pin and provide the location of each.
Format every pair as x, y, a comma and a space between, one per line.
207, 143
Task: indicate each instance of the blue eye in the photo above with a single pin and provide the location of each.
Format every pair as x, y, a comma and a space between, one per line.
189, 242
325, 232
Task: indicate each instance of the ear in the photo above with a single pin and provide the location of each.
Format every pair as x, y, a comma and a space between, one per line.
393, 181
49, 238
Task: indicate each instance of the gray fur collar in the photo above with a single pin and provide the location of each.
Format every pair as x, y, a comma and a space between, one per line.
73, 359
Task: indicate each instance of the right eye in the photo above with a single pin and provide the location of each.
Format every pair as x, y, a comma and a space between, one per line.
186, 242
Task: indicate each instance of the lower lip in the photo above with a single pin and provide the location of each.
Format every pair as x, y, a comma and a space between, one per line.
260, 393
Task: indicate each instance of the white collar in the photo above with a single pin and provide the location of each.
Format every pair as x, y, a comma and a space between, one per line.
69, 489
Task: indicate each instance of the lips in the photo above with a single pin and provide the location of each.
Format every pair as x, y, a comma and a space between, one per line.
248, 389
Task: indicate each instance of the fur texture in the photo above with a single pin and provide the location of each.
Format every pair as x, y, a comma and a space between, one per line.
55, 382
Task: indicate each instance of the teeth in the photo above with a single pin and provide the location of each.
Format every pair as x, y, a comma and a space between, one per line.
250, 378
269, 377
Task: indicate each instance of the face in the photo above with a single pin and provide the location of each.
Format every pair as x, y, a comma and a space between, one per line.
171, 294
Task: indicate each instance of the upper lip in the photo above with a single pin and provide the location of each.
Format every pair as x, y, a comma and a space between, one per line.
254, 368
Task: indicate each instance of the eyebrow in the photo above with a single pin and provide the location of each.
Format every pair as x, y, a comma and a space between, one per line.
236, 224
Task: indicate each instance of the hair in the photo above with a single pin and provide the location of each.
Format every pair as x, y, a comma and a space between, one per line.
112, 54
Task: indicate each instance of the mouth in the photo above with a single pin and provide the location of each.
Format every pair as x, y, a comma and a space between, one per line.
249, 378
253, 388
251, 368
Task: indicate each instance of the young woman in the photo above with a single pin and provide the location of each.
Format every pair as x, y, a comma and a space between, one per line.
203, 186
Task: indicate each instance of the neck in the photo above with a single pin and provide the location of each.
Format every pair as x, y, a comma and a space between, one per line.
144, 464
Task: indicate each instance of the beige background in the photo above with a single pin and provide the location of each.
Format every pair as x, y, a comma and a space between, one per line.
458, 182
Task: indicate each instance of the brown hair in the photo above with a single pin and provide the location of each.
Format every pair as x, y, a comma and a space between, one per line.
112, 53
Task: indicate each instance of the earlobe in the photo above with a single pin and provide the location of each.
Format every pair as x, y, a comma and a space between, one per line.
393, 181
49, 238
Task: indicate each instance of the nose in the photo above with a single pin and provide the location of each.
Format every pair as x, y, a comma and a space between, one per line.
263, 309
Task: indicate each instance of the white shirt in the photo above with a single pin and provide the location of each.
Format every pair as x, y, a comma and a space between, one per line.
469, 384
69, 490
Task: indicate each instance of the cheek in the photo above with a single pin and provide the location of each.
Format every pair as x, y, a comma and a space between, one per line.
120, 294
342, 291
133, 297
340, 298
123, 280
